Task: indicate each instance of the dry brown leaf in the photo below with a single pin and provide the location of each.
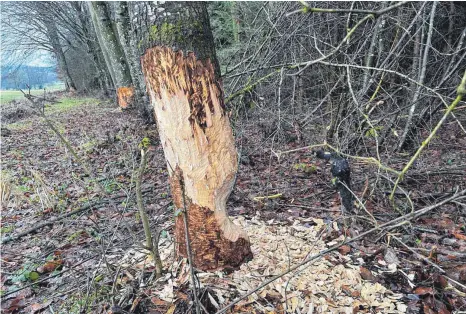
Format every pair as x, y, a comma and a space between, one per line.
428, 309
49, 266
33, 308
158, 302
424, 290
366, 274
459, 236
344, 249
442, 281
13, 305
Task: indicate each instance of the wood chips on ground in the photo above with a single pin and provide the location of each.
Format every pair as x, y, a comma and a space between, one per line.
331, 284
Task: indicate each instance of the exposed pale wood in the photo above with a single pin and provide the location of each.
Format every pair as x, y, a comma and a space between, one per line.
199, 148
125, 96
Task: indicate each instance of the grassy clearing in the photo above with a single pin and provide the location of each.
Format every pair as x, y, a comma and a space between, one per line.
9, 95
67, 103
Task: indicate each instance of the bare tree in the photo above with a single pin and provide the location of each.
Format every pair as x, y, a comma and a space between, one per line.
89, 38
57, 28
52, 34
356, 68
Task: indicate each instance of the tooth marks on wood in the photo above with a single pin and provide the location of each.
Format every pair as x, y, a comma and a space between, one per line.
125, 97
172, 71
211, 250
199, 148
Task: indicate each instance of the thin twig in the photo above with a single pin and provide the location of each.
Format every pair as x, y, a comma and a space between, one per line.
52, 221
59, 218
417, 254
337, 48
152, 244
308, 9
406, 217
461, 92
188, 249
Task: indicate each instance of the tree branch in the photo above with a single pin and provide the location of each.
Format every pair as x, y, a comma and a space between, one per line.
387, 226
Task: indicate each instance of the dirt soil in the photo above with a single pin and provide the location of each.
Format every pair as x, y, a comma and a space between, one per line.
94, 261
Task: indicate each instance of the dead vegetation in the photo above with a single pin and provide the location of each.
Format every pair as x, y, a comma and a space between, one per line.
94, 260
379, 85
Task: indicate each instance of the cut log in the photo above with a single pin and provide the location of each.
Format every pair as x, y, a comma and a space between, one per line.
200, 152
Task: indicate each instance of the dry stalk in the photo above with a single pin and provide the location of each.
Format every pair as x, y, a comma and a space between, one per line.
189, 253
386, 226
5, 191
151, 244
461, 91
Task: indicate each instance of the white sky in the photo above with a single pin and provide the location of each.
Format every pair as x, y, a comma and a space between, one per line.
41, 59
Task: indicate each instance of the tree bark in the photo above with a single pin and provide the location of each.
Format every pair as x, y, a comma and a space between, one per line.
57, 49
93, 47
409, 127
187, 97
235, 21
129, 45
113, 52
366, 81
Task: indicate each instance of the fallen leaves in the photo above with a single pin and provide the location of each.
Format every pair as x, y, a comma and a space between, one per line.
16, 301
366, 274
36, 307
344, 249
326, 285
424, 290
459, 236
334, 283
51, 265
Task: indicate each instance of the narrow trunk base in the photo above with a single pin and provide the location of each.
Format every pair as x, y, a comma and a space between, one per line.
209, 247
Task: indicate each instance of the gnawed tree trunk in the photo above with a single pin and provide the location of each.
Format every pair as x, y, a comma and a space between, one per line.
112, 50
125, 96
200, 152
129, 45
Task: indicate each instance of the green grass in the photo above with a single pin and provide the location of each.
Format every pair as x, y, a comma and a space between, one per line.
67, 103
9, 95
7, 229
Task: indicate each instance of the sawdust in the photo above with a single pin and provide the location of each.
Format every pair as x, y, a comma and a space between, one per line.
331, 284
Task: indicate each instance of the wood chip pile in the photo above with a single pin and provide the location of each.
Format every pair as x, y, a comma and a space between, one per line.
331, 284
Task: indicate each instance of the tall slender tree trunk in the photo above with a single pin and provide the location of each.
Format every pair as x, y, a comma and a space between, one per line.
113, 52
57, 49
366, 81
182, 78
451, 23
129, 46
410, 125
235, 21
93, 47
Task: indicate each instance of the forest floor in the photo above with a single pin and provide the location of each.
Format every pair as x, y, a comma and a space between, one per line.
93, 261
